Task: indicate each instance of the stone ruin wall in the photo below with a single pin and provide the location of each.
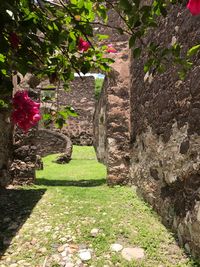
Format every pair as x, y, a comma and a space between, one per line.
51, 142
19, 151
81, 97
164, 133
5, 147
20, 169
112, 114
28, 148
112, 117
24, 152
165, 129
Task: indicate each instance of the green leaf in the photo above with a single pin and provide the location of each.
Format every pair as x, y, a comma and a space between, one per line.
132, 41
182, 74
60, 122
46, 116
125, 4
148, 65
137, 52
71, 112
2, 58
3, 104
193, 50
4, 72
102, 36
85, 67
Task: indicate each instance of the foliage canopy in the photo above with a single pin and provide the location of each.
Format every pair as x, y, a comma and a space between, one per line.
41, 37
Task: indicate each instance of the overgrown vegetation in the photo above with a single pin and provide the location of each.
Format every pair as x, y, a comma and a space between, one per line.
77, 200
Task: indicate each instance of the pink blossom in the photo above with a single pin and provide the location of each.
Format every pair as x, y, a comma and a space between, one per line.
111, 49
194, 7
83, 45
26, 112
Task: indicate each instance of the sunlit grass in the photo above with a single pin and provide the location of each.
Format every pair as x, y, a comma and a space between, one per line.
77, 200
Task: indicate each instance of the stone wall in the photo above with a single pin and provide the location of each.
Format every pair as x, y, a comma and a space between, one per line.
111, 121
22, 169
19, 151
80, 96
24, 151
5, 147
114, 22
165, 128
50, 142
112, 114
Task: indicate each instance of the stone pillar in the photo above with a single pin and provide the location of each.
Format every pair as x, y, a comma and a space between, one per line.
111, 122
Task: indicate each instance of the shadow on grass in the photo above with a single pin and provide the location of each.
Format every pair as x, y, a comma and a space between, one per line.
16, 206
78, 183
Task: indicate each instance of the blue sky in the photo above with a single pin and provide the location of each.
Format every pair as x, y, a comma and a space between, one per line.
96, 75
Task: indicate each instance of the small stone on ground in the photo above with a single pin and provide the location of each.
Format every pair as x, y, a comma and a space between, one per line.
85, 255
94, 232
116, 247
130, 254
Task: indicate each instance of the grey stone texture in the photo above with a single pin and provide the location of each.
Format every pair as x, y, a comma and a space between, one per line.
5, 146
165, 128
81, 97
164, 131
51, 142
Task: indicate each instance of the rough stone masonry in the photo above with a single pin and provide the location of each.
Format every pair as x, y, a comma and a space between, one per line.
112, 118
165, 129
112, 114
81, 97
5, 146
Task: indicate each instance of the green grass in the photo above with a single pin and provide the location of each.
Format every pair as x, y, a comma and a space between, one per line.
77, 200
98, 87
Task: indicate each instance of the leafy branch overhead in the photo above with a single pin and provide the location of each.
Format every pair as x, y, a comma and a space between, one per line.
43, 36
142, 18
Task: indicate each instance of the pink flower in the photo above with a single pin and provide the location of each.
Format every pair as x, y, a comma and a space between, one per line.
83, 45
26, 112
194, 7
111, 49
36, 117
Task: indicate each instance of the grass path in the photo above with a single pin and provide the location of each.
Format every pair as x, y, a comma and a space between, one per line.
73, 199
